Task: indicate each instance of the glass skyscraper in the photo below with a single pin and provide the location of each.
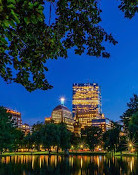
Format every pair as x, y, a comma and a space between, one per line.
86, 103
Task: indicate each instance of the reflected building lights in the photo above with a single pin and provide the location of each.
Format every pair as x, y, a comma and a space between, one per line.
81, 162
33, 162
76, 164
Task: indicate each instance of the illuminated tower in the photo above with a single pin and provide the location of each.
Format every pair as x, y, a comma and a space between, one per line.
86, 103
62, 114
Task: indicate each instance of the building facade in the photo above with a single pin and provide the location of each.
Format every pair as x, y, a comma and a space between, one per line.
86, 103
26, 128
48, 120
101, 123
109, 124
16, 117
63, 114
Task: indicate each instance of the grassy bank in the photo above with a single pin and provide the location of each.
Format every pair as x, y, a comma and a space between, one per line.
30, 153
125, 154
88, 153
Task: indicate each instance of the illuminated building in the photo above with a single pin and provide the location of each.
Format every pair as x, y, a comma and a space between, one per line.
87, 103
109, 124
63, 114
16, 117
26, 128
101, 123
48, 120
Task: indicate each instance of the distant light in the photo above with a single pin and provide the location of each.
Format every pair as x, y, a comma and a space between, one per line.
62, 100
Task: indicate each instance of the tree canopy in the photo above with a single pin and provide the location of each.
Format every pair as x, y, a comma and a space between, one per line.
129, 7
29, 37
10, 137
133, 127
92, 136
132, 108
111, 139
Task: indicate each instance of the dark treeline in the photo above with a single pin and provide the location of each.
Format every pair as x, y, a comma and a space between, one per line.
120, 137
42, 136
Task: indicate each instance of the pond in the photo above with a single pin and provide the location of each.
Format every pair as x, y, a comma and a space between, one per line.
72, 165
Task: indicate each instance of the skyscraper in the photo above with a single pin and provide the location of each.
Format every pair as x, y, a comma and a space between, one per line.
86, 103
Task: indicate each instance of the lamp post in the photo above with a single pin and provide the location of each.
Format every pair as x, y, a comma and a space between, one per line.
81, 146
130, 146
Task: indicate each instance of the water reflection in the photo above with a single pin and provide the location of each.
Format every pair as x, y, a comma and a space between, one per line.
73, 165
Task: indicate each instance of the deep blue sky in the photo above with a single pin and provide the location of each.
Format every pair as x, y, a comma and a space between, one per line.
117, 76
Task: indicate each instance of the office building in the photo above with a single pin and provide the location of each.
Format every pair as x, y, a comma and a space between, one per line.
86, 103
63, 114
48, 120
109, 124
26, 128
16, 117
101, 123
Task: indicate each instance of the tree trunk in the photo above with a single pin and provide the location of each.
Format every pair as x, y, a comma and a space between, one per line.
57, 149
66, 152
49, 150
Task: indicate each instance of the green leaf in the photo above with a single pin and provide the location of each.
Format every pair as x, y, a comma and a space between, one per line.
6, 23
15, 17
11, 1
36, 3
11, 6
26, 20
40, 7
3, 40
31, 5
11, 22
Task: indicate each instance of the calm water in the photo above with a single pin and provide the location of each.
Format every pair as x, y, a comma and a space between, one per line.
74, 165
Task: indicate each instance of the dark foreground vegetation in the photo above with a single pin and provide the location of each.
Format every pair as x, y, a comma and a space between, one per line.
33, 31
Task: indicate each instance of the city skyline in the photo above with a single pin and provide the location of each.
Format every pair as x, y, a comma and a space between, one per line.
62, 101
116, 75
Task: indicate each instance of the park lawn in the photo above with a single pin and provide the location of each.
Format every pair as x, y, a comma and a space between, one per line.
30, 153
70, 153
125, 154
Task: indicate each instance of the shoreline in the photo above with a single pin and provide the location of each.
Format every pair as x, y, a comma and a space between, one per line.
70, 154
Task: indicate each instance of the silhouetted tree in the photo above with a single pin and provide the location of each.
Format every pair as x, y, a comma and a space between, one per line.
50, 136
93, 136
7, 131
132, 109
111, 139
64, 137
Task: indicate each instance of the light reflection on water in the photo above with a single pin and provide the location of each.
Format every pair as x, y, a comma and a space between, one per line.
72, 165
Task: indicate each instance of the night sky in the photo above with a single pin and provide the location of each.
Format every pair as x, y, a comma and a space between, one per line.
117, 76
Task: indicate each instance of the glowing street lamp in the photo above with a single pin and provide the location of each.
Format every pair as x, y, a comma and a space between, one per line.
62, 100
130, 146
